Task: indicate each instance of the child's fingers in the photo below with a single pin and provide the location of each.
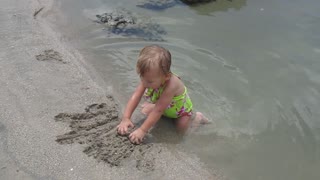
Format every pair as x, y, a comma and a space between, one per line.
125, 130
132, 139
139, 141
131, 125
121, 130
118, 129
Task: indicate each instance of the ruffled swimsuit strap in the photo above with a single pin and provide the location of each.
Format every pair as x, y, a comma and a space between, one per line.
154, 94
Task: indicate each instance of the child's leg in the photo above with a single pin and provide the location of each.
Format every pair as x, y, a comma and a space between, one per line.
147, 108
183, 123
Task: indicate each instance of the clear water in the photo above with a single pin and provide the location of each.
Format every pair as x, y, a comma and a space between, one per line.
252, 66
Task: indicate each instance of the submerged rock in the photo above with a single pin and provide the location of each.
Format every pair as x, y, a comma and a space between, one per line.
165, 4
123, 22
196, 1
158, 4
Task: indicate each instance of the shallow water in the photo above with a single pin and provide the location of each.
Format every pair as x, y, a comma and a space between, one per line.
251, 66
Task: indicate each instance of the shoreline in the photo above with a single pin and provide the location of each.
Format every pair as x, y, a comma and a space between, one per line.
43, 76
33, 92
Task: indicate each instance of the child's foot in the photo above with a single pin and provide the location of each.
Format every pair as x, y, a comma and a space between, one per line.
147, 108
199, 119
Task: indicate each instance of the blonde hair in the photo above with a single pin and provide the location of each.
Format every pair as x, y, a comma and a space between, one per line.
154, 56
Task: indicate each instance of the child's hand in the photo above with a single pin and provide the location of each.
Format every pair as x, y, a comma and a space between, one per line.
122, 128
137, 136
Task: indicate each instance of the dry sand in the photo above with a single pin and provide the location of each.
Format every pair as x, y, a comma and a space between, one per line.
43, 81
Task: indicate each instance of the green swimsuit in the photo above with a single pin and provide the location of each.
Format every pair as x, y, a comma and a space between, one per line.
180, 105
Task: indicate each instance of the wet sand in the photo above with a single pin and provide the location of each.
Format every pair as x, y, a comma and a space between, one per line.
56, 120
96, 129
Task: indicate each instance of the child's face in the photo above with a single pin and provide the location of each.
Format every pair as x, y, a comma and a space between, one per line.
153, 78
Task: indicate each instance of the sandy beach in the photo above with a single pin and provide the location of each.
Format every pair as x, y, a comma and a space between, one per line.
42, 77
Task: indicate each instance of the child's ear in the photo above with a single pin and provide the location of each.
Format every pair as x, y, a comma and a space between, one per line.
168, 76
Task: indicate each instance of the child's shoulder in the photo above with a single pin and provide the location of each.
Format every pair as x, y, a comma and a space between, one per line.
176, 84
175, 78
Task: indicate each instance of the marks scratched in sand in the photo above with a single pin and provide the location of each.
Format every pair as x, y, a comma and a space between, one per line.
49, 55
96, 129
37, 12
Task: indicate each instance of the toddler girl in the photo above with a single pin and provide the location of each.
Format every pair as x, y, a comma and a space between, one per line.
165, 92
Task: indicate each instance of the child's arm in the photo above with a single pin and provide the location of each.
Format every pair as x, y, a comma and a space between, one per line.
154, 116
131, 106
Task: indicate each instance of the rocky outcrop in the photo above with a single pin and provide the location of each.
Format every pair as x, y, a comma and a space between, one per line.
123, 22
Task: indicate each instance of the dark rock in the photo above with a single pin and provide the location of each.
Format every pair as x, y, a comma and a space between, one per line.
123, 22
